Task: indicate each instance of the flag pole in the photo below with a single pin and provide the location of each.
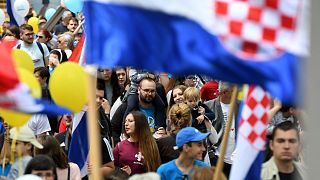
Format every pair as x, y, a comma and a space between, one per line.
93, 130
224, 142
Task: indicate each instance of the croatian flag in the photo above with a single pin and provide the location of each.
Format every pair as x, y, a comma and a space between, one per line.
259, 42
16, 96
79, 144
251, 136
78, 53
15, 19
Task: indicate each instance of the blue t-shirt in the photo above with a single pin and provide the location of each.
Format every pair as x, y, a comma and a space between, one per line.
149, 113
170, 170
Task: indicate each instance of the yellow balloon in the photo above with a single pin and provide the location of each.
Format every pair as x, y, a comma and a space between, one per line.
69, 86
13, 118
30, 80
34, 22
22, 60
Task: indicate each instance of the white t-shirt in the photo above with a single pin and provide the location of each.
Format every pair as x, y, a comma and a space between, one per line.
232, 135
35, 53
114, 107
68, 52
39, 124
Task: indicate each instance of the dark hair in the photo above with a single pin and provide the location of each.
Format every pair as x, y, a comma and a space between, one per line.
42, 17
181, 148
182, 88
117, 174
147, 145
100, 85
15, 31
147, 76
51, 147
41, 162
74, 20
124, 69
56, 52
116, 89
62, 56
284, 126
43, 72
162, 93
26, 27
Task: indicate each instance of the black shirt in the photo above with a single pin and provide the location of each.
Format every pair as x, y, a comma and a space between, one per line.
165, 146
290, 176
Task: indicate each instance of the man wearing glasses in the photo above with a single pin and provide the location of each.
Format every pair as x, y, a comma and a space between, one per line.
146, 94
38, 52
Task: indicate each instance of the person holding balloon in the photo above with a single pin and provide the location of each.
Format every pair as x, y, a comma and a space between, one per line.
37, 51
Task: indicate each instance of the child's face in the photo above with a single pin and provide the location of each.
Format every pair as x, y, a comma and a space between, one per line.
53, 60
192, 103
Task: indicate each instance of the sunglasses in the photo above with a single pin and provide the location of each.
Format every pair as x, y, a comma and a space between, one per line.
60, 41
39, 36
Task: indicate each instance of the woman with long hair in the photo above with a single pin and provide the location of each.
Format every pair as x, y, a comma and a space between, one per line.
174, 96
179, 117
177, 95
109, 79
139, 152
65, 170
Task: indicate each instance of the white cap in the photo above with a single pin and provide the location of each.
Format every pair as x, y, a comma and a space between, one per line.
25, 134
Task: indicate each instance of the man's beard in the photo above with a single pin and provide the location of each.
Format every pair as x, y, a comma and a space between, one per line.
146, 100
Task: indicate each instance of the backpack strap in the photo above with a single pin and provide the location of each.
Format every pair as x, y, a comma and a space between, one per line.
42, 52
68, 171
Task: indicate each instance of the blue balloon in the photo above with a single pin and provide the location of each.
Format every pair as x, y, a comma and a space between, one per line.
49, 13
74, 6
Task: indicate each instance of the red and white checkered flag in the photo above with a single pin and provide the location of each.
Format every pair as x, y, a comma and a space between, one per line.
257, 28
254, 116
252, 135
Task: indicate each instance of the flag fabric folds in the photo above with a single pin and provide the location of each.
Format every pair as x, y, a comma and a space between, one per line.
184, 37
79, 144
16, 96
251, 135
15, 19
77, 55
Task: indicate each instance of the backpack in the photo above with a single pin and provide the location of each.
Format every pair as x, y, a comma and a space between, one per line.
41, 50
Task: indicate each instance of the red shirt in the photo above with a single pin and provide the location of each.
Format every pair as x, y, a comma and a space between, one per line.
62, 125
127, 153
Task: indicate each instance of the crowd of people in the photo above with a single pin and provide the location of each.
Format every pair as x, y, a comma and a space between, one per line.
152, 125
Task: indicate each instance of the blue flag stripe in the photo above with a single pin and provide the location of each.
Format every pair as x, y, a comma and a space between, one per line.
129, 36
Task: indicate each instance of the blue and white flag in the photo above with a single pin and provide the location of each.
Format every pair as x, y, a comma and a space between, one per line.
248, 41
79, 144
15, 19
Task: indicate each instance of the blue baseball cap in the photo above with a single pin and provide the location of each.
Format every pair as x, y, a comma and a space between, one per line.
189, 134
